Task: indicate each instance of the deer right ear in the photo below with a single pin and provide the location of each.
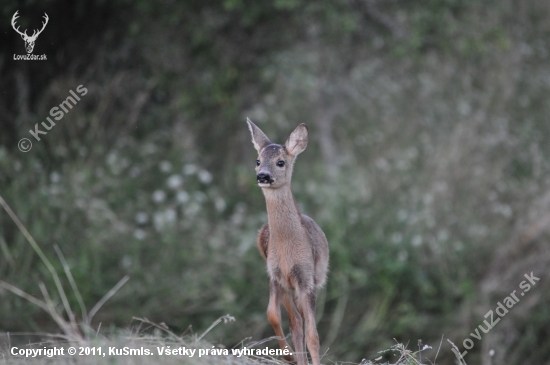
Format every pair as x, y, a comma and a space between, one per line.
259, 139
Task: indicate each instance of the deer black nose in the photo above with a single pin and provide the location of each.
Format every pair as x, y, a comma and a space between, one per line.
264, 178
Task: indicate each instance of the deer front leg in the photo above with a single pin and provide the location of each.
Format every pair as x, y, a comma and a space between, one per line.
306, 301
296, 327
274, 317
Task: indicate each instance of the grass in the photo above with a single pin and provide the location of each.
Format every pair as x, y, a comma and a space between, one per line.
147, 343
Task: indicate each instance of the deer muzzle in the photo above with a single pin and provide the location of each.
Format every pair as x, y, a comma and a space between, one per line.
264, 178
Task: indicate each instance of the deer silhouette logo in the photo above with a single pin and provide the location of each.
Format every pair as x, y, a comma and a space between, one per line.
29, 40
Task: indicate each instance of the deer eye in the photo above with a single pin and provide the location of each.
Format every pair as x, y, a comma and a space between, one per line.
257, 162
280, 163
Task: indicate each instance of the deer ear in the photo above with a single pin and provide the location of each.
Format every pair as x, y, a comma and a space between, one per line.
297, 142
259, 139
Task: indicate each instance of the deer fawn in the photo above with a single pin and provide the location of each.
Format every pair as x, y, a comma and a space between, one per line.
295, 248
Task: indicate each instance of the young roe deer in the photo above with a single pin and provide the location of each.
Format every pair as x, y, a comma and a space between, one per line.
295, 248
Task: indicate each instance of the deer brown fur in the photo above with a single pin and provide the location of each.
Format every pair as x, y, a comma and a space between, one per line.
295, 248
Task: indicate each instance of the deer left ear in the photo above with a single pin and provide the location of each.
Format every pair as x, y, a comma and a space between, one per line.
297, 142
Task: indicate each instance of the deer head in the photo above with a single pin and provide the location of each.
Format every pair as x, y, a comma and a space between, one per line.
29, 40
275, 162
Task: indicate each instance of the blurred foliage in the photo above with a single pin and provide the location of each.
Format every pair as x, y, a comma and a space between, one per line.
428, 122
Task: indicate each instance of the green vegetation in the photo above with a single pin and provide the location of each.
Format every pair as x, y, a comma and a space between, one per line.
427, 166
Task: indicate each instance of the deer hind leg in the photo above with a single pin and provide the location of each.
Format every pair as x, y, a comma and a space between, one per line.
274, 317
296, 327
306, 302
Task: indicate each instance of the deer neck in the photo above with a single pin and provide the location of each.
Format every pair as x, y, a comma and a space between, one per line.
283, 214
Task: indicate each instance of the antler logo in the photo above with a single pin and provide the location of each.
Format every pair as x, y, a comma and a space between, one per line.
29, 40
